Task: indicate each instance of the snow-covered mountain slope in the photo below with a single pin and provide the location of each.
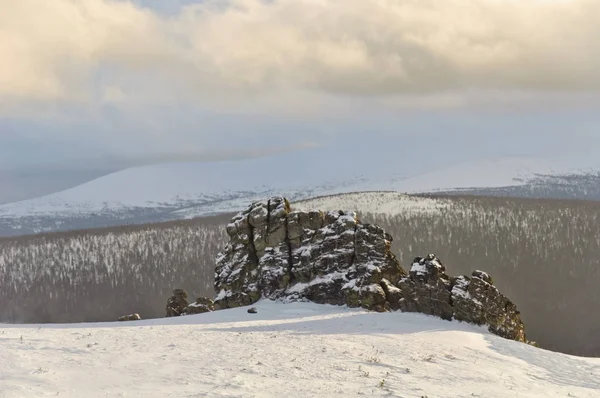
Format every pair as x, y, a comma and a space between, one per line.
177, 184
184, 190
295, 350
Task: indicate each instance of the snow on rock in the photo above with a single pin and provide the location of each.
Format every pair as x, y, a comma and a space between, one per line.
429, 290
200, 306
325, 257
332, 258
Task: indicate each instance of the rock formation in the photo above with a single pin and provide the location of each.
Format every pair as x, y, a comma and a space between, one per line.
177, 303
322, 257
331, 257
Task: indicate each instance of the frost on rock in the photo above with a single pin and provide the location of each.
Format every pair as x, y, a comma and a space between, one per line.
333, 258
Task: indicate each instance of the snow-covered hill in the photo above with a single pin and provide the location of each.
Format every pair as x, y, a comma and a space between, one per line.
390, 203
295, 350
184, 190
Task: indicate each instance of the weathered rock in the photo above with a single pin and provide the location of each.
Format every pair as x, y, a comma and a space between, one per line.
393, 294
130, 317
426, 289
477, 300
200, 306
177, 303
333, 258
323, 257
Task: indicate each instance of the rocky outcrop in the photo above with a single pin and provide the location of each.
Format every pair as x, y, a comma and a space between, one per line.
426, 289
177, 303
325, 257
200, 306
429, 290
333, 258
477, 300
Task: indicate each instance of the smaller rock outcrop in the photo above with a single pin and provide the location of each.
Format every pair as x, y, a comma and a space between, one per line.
426, 289
177, 303
429, 290
130, 317
477, 300
200, 306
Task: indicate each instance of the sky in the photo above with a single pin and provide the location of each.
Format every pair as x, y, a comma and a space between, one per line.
93, 86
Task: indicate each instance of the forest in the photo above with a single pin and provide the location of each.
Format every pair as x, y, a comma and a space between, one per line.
544, 254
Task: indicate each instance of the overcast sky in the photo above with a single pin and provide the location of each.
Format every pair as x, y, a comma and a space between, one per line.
90, 86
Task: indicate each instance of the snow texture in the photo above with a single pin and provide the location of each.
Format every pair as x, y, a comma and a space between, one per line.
295, 350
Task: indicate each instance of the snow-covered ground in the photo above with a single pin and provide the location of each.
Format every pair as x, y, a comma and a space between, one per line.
292, 350
390, 203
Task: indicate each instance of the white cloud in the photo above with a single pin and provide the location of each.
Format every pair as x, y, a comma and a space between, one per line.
222, 51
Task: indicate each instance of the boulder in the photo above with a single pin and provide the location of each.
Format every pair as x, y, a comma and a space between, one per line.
177, 303
200, 306
130, 317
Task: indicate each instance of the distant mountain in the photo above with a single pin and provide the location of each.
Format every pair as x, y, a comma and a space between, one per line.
184, 190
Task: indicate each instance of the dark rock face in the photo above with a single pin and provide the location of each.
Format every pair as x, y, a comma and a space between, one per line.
202, 305
332, 258
177, 303
130, 317
426, 289
476, 300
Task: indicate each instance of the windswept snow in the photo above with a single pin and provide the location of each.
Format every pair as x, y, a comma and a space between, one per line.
295, 350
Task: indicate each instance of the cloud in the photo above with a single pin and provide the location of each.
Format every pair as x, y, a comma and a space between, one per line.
228, 51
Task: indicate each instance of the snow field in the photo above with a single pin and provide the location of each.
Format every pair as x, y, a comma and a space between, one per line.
294, 350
